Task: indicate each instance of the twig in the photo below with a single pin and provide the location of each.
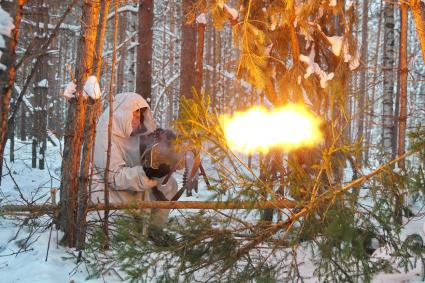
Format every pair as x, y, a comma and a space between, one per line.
37, 63
48, 243
18, 252
16, 184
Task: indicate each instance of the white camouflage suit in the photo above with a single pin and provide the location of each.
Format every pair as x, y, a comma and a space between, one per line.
127, 180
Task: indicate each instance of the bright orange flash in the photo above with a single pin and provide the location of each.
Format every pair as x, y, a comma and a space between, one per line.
258, 129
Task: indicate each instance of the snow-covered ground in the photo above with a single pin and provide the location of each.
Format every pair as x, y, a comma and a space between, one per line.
26, 262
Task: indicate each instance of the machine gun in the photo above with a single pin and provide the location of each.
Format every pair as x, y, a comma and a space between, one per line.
161, 157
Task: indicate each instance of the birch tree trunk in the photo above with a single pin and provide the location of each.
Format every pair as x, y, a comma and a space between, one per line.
388, 81
144, 51
371, 102
170, 91
41, 81
75, 123
7, 75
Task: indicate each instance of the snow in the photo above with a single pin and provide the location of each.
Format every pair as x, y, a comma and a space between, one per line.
43, 83
201, 19
353, 61
70, 90
72, 28
397, 169
30, 265
125, 8
337, 45
314, 68
92, 88
273, 23
6, 27
336, 42
232, 12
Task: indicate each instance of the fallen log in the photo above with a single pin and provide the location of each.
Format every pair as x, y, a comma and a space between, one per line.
50, 208
200, 205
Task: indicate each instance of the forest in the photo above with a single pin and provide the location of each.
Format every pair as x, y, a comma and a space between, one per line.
212, 141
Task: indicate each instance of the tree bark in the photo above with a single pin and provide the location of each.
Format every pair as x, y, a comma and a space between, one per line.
188, 53
402, 96
418, 11
144, 51
171, 107
93, 112
41, 81
7, 76
111, 111
294, 39
75, 123
121, 74
371, 102
363, 80
388, 81
199, 57
403, 70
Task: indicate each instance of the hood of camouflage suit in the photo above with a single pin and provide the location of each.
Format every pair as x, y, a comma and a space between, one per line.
124, 105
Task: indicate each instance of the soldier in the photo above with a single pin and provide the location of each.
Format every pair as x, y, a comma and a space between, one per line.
128, 182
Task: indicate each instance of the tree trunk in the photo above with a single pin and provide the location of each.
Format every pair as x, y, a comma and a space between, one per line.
23, 122
403, 70
11, 130
294, 39
7, 75
188, 53
371, 102
93, 112
111, 111
75, 123
122, 37
144, 51
199, 57
170, 90
41, 81
388, 81
216, 50
402, 117
418, 11
363, 80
